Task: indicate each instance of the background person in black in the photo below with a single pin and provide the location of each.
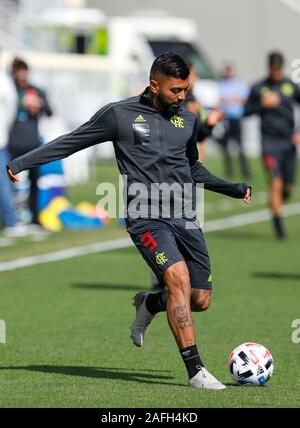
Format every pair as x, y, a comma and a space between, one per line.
155, 142
273, 100
24, 135
206, 121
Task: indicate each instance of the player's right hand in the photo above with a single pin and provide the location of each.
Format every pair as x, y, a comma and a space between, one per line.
11, 176
215, 116
270, 100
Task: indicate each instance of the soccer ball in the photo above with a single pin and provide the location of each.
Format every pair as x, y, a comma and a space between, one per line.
251, 363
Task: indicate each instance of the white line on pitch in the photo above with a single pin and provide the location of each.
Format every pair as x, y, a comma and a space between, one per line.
210, 226
68, 253
249, 218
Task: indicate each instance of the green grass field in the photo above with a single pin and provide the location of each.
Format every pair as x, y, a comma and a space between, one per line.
68, 322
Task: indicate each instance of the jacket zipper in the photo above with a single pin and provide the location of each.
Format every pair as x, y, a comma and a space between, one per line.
160, 142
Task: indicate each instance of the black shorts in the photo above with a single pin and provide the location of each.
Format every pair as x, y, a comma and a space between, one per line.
165, 242
280, 159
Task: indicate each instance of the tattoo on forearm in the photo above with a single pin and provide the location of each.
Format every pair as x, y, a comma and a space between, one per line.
181, 316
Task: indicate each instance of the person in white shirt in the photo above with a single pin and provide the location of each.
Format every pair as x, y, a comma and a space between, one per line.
234, 93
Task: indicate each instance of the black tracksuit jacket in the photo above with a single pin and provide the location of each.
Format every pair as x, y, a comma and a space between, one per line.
276, 123
150, 146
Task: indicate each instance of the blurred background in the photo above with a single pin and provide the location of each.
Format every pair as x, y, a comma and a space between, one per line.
120, 40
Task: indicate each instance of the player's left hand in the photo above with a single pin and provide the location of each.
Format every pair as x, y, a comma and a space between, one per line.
214, 116
247, 197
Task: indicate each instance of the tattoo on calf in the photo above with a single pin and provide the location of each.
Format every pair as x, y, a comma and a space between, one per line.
181, 317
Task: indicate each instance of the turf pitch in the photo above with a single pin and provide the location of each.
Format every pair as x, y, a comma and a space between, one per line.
67, 322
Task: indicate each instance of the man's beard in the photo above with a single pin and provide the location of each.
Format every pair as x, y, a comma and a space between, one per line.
168, 108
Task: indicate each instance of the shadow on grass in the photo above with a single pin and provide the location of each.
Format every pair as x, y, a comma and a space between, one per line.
234, 384
244, 236
130, 375
277, 275
110, 287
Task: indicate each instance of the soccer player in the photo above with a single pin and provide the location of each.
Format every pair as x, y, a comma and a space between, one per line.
206, 123
273, 100
155, 144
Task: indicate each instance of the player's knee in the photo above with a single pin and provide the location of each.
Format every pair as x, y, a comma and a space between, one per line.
201, 302
201, 306
277, 184
182, 283
286, 192
178, 280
